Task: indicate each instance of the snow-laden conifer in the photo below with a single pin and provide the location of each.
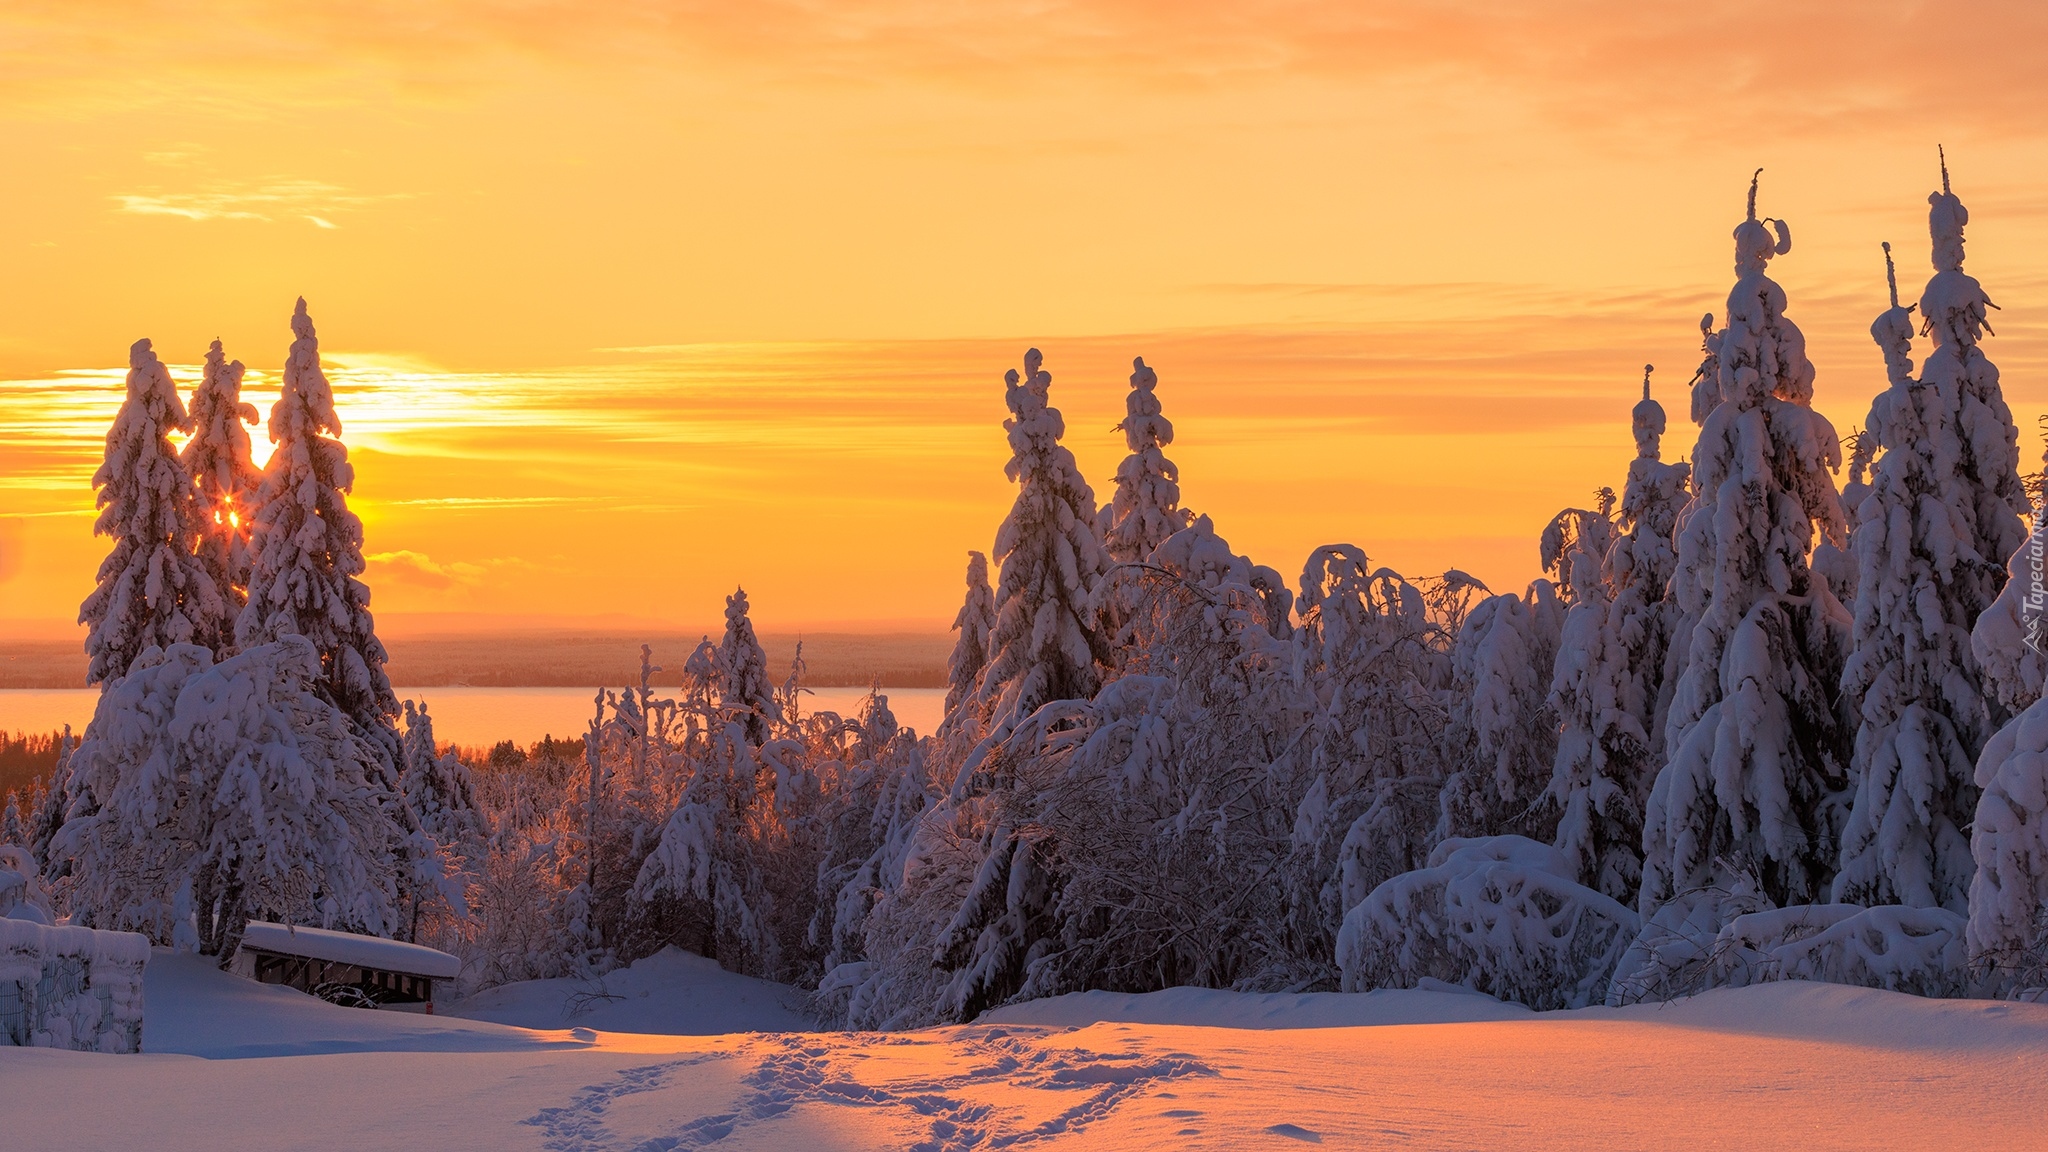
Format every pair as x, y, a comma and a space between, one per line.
1608, 681
1105, 827
217, 457
1145, 508
220, 793
51, 807
308, 550
437, 785
1044, 645
13, 829
975, 622
152, 591
1931, 538
743, 685
1757, 739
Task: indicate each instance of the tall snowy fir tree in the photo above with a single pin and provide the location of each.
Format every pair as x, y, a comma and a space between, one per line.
217, 457
308, 551
1044, 645
1943, 512
1609, 673
975, 621
743, 684
1757, 738
1145, 508
152, 590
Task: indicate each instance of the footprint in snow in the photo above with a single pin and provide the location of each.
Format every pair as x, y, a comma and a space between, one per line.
954, 1108
1296, 1132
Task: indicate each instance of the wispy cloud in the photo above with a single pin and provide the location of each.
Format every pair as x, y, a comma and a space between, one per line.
423, 570
310, 200
1591, 64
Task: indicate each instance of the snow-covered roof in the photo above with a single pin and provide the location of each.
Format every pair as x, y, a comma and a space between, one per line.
350, 948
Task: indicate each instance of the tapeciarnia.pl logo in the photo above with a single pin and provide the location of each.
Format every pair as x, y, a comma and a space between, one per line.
2034, 606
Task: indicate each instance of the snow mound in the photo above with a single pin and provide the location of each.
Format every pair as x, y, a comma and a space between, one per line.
1500, 914
1841, 1014
1724, 940
195, 1009
1212, 1008
672, 992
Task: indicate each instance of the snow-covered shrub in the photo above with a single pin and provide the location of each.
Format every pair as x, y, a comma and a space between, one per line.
1499, 914
1503, 722
152, 591
2008, 934
1943, 513
21, 890
208, 794
1372, 662
71, 988
1724, 941
1757, 737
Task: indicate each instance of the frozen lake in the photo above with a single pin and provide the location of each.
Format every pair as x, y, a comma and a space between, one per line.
474, 715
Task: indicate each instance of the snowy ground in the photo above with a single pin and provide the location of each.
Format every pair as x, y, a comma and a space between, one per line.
233, 1065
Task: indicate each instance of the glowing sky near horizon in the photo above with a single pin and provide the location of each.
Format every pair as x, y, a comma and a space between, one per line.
630, 303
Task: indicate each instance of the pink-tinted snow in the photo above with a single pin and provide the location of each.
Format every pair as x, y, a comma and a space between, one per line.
1787, 1065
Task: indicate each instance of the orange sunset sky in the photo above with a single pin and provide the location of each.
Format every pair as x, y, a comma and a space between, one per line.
628, 303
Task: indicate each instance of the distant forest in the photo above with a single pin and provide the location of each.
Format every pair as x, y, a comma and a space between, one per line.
25, 759
569, 659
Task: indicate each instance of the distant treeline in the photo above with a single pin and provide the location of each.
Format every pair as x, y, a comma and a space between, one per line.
566, 660
25, 759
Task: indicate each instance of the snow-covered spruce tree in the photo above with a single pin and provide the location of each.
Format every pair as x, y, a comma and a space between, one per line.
227, 792
1608, 688
437, 785
1145, 508
1609, 669
217, 457
1129, 837
1044, 646
743, 684
1502, 723
975, 622
152, 590
13, 830
52, 806
1943, 513
307, 552
1757, 737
